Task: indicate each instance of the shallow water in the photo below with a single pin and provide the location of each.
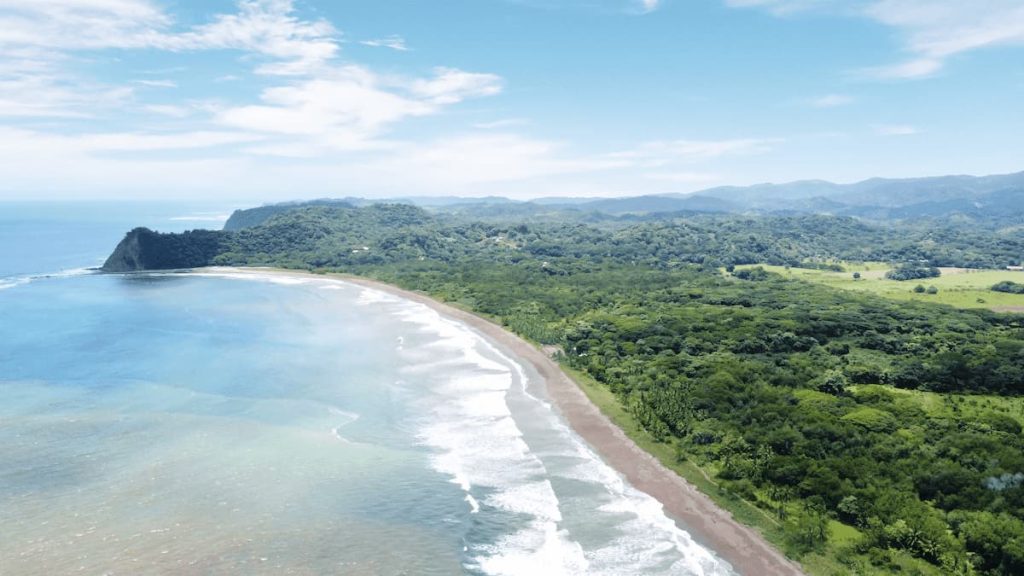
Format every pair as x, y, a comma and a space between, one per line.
220, 423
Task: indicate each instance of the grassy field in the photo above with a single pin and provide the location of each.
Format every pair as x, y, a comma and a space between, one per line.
951, 406
957, 287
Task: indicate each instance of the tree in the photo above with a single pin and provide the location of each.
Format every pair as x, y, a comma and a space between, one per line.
911, 272
808, 530
833, 383
1009, 287
851, 510
1013, 556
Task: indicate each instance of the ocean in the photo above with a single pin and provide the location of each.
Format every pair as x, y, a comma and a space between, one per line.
220, 423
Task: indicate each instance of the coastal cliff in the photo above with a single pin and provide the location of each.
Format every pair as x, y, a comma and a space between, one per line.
319, 236
144, 249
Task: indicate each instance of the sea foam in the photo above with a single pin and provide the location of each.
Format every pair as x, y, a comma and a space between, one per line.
476, 441
14, 281
464, 384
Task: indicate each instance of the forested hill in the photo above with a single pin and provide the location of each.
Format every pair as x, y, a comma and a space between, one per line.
990, 201
339, 235
251, 217
863, 436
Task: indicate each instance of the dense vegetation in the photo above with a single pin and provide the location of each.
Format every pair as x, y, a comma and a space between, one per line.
255, 216
144, 249
911, 272
800, 399
333, 234
1009, 287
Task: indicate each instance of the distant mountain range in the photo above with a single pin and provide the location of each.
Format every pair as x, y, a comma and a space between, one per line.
999, 197
874, 196
877, 198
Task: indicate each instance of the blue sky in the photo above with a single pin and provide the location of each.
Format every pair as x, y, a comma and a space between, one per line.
261, 100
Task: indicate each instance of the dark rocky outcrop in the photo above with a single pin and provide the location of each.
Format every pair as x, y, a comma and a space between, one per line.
144, 249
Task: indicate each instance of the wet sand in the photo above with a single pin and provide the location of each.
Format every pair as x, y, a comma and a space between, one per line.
743, 547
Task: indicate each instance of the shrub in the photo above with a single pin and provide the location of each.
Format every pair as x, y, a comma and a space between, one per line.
911, 272
1001, 422
1009, 287
754, 274
871, 418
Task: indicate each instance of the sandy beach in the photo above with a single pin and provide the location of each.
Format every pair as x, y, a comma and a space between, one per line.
743, 547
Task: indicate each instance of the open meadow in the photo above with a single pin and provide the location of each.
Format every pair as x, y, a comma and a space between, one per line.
959, 287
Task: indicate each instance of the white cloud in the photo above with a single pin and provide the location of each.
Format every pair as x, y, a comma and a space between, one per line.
938, 29
266, 27
831, 101
458, 163
38, 77
942, 28
156, 83
503, 123
449, 86
19, 142
350, 106
649, 5
165, 71
909, 70
79, 24
46, 95
895, 130
339, 118
685, 177
932, 30
337, 107
145, 142
169, 110
783, 7
394, 42
323, 109
40, 40
350, 98
662, 153
320, 110
116, 164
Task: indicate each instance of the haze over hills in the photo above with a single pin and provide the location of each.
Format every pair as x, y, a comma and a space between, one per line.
997, 197
874, 192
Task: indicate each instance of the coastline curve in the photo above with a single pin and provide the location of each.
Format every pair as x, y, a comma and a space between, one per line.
741, 546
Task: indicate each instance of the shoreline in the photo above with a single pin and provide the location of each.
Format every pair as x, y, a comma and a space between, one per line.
741, 546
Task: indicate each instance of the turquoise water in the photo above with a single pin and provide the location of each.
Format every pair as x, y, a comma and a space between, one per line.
220, 423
